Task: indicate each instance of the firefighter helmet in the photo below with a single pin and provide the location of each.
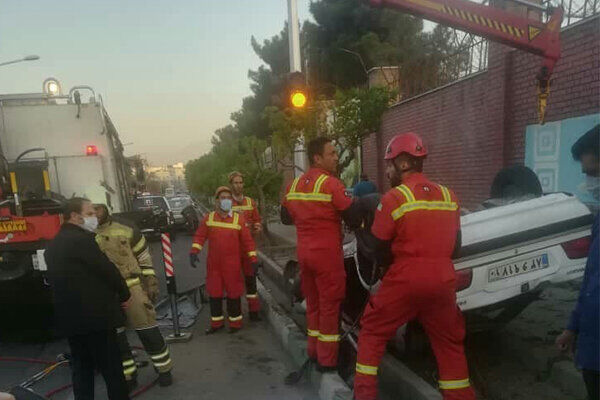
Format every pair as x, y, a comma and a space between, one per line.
222, 189
409, 143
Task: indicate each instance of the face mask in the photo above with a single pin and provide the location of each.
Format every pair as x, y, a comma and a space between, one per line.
226, 205
592, 185
90, 223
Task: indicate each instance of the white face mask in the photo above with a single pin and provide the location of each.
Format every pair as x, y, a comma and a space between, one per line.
90, 223
226, 205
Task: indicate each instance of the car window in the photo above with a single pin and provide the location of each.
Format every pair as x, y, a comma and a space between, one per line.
179, 203
142, 203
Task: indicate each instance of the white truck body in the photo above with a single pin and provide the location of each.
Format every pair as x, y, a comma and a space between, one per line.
65, 130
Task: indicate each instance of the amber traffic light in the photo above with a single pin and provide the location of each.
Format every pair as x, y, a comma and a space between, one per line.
298, 99
297, 90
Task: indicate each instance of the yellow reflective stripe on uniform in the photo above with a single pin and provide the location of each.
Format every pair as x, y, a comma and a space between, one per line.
410, 197
294, 184
196, 246
161, 355
148, 272
140, 245
312, 333
221, 318
457, 384
132, 282
129, 362
309, 196
446, 194
252, 254
130, 370
314, 196
366, 369
226, 225
328, 338
319, 183
162, 364
252, 296
242, 208
239, 317
423, 205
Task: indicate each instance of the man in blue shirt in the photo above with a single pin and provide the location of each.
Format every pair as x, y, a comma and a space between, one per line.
364, 187
584, 325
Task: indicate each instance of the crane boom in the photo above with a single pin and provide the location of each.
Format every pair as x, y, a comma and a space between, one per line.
497, 25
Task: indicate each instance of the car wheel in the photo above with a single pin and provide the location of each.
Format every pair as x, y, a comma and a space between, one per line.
516, 181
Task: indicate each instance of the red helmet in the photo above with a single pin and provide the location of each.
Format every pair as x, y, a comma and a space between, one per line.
409, 143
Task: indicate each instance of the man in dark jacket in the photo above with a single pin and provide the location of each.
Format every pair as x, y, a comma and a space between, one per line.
584, 324
87, 292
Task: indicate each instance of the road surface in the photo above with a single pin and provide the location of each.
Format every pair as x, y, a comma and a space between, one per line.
249, 365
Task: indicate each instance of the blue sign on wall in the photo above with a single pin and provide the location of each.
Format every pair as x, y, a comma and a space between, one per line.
548, 153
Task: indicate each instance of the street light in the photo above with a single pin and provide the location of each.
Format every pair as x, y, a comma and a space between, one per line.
26, 58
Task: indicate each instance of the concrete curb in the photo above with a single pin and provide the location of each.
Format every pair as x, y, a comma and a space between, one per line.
328, 386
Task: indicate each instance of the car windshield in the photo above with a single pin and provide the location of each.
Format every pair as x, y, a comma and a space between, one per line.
179, 203
142, 203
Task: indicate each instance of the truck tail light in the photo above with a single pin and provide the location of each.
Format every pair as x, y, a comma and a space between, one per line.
464, 277
577, 248
91, 150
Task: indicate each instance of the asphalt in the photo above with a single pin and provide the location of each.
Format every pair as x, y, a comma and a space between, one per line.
248, 365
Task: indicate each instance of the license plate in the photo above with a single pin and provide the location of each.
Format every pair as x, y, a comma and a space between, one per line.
518, 268
15, 225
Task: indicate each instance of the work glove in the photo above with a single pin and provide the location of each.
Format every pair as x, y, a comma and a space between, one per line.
150, 285
255, 266
193, 259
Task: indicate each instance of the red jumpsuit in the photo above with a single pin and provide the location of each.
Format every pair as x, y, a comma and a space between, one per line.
422, 220
314, 201
247, 207
229, 240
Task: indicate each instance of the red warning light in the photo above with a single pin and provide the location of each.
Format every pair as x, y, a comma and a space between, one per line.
91, 150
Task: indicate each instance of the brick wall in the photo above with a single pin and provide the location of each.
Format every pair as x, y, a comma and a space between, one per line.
476, 126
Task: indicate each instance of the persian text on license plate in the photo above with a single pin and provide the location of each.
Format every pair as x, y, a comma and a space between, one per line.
15, 225
518, 268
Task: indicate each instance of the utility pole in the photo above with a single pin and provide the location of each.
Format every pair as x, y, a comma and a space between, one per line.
294, 36
299, 156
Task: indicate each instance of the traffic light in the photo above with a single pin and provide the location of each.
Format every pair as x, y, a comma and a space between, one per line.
297, 90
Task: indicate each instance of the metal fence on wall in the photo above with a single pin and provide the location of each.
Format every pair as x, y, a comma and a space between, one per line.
471, 51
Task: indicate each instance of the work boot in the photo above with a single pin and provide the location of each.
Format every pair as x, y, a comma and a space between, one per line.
212, 330
165, 379
233, 330
255, 316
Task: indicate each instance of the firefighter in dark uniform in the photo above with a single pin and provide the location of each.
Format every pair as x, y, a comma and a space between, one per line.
124, 244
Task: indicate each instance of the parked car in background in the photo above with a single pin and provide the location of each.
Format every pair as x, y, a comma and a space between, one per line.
152, 214
185, 212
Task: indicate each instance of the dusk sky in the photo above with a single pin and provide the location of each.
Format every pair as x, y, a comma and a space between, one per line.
170, 72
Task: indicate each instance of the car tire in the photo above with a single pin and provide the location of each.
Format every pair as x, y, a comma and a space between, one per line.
516, 181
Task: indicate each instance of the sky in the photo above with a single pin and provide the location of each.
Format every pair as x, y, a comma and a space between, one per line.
170, 72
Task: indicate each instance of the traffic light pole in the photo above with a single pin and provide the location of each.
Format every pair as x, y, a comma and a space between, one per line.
294, 36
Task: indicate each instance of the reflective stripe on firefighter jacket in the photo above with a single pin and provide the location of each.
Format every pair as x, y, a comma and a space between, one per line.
248, 208
422, 220
230, 240
314, 201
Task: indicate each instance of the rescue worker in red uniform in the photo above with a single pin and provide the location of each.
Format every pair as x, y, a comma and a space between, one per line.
315, 202
247, 207
229, 240
420, 220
